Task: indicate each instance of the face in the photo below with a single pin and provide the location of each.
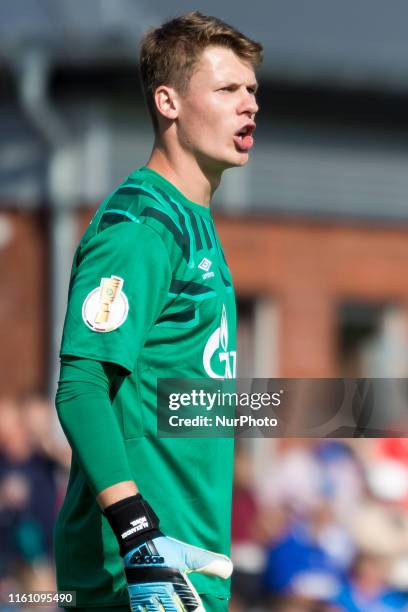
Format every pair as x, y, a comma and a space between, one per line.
214, 119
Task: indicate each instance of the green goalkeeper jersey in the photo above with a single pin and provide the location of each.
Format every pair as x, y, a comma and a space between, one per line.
151, 292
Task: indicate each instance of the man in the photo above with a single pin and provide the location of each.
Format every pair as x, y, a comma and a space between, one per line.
151, 297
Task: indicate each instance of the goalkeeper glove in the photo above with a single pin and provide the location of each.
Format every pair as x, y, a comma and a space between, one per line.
156, 566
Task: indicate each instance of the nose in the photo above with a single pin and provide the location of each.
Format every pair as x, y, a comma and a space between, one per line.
249, 104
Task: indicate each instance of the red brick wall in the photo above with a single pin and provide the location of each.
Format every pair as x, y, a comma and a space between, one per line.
309, 269
23, 303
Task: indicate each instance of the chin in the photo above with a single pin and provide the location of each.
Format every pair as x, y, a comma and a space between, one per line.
243, 159
233, 160
236, 160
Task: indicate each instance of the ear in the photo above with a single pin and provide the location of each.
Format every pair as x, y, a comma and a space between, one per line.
167, 102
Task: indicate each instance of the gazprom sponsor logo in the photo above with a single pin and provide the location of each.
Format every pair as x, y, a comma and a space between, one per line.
216, 350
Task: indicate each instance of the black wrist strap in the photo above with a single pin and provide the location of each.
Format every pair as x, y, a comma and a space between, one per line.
133, 522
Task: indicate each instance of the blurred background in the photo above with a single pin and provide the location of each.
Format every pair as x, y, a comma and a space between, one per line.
315, 229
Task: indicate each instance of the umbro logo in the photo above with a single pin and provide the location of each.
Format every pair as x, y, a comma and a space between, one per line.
205, 264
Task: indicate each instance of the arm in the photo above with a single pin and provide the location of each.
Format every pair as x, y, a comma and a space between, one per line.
116, 492
92, 429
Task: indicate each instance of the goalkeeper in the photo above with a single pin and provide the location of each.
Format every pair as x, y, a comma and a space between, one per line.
151, 297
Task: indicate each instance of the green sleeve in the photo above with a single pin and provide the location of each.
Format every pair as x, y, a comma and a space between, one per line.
89, 422
118, 288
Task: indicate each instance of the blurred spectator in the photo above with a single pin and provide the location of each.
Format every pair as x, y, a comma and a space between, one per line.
28, 492
342, 481
380, 528
246, 548
39, 418
308, 471
293, 478
391, 455
40, 423
366, 590
299, 566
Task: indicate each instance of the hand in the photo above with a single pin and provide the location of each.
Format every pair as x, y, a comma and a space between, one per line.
156, 566
156, 573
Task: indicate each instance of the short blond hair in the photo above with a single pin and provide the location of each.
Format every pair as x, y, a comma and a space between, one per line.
169, 54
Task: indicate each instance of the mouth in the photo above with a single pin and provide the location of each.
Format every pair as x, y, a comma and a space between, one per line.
243, 139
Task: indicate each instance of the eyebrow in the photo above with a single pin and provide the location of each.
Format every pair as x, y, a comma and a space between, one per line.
227, 83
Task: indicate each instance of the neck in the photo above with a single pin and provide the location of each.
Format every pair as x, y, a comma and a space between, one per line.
184, 172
